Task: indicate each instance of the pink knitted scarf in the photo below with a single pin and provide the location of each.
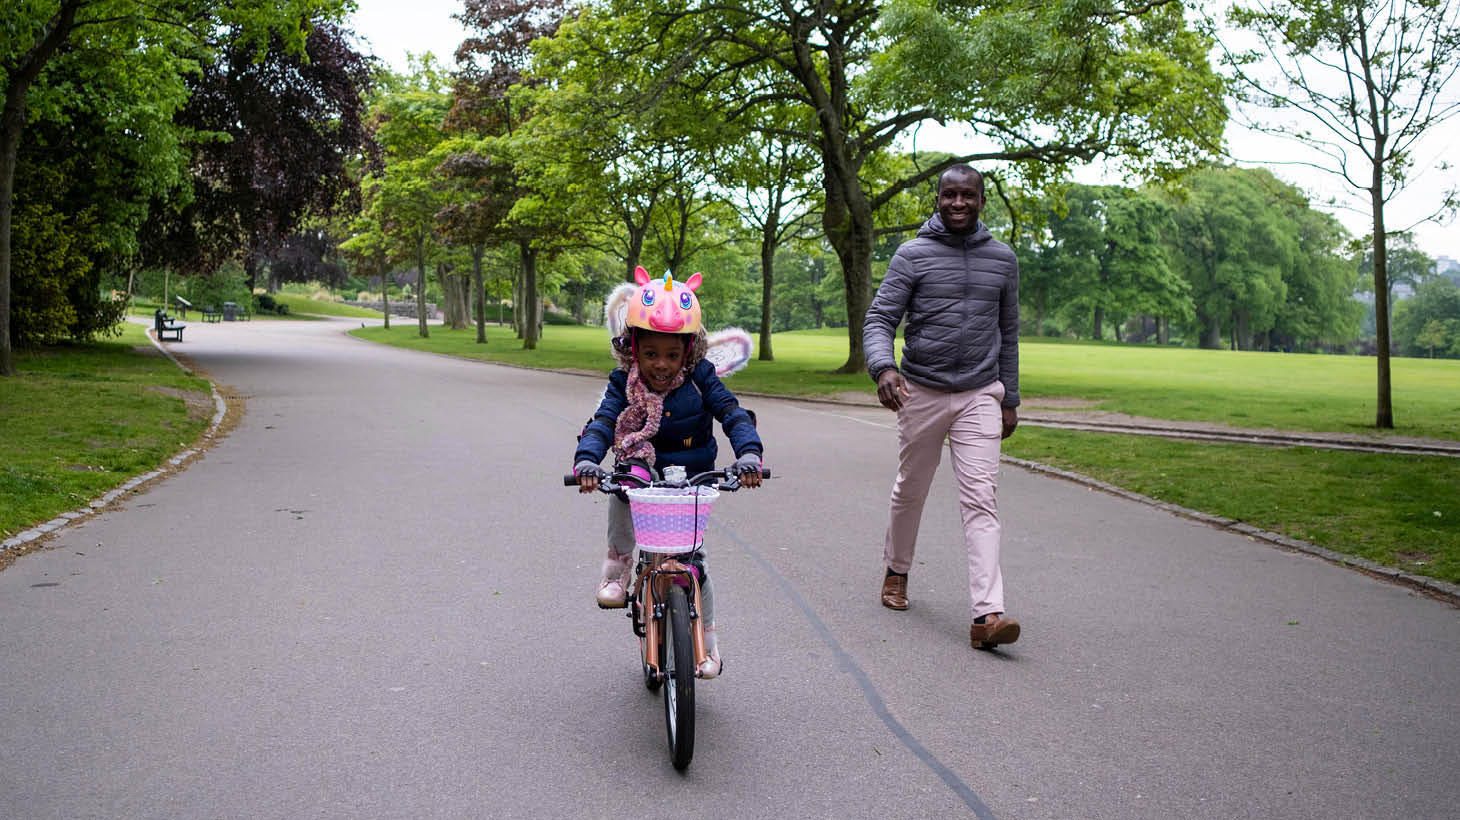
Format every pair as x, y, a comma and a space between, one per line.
639, 422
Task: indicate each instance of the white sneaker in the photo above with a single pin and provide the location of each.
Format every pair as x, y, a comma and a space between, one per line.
712, 665
613, 589
710, 668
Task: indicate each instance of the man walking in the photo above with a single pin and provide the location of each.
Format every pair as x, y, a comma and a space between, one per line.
958, 287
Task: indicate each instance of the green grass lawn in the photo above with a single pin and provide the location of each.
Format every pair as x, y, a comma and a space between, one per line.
1280, 390
304, 306
1380, 507
1288, 391
1398, 510
76, 421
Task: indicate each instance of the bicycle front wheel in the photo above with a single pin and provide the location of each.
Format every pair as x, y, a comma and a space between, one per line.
677, 659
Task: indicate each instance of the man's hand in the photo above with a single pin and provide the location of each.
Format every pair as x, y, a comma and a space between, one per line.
1011, 421
891, 389
750, 478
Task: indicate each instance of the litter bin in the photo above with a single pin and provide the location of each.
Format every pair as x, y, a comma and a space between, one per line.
230, 311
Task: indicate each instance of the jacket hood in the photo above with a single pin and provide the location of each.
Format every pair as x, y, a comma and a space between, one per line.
933, 229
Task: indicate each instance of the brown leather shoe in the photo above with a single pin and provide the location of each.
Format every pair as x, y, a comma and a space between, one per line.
894, 592
995, 629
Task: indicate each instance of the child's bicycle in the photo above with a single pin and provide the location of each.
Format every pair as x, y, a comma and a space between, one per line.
664, 593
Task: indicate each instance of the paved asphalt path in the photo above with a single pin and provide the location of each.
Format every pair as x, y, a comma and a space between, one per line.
373, 600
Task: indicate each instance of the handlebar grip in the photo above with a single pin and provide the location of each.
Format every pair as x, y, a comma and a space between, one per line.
570, 480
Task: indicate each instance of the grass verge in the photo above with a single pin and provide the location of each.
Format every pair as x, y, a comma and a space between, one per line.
78, 420
1400, 511
1282, 391
1397, 510
303, 305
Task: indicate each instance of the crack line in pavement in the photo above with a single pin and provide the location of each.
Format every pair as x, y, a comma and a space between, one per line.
869, 689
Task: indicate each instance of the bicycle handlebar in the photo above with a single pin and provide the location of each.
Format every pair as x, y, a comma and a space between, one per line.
614, 482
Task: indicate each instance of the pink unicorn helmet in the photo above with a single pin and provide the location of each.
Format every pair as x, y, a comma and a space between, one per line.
664, 305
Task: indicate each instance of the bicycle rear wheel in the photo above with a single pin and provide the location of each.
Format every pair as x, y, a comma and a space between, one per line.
677, 659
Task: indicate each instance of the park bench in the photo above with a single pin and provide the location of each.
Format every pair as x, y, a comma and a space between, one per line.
212, 314
234, 312
165, 326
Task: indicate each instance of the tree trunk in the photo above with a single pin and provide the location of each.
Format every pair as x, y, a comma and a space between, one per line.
818, 273
519, 325
1097, 326
1163, 330
380, 265
1242, 330
421, 287
479, 296
1211, 332
1384, 409
529, 293
455, 291
847, 221
20, 74
636, 247
767, 276
385, 297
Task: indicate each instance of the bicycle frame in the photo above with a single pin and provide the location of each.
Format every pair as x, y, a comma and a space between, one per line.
653, 607
651, 589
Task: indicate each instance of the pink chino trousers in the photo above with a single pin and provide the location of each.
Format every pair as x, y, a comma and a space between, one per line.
972, 423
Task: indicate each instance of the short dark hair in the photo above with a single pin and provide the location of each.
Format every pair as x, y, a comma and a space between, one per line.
961, 168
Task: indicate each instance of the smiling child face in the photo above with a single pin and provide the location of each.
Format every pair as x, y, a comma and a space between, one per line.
660, 357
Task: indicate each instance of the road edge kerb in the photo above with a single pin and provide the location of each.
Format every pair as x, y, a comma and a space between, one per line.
174, 462
1443, 589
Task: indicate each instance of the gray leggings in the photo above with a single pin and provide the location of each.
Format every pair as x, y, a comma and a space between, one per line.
621, 541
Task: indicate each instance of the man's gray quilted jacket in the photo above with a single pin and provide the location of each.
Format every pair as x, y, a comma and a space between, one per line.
960, 295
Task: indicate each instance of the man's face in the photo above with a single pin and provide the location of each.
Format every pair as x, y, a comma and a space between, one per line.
960, 200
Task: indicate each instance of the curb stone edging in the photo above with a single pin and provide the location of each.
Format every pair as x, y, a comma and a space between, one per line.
1447, 590
65, 519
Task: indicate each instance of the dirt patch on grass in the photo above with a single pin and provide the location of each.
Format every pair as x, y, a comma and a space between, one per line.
199, 404
1057, 403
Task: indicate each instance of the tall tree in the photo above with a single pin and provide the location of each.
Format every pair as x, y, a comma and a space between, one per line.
1039, 85
1430, 320
481, 192
1230, 241
774, 195
408, 115
1107, 248
278, 129
1366, 81
493, 61
151, 42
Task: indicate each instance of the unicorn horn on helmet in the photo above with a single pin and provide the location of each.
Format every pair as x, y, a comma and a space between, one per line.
664, 305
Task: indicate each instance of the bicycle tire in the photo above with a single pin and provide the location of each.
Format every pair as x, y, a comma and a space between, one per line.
677, 658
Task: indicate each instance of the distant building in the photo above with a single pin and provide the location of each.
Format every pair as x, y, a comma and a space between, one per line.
1448, 268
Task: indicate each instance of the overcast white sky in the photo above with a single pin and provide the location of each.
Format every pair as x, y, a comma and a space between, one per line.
390, 29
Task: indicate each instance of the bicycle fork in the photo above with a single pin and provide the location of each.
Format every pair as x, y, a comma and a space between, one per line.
649, 604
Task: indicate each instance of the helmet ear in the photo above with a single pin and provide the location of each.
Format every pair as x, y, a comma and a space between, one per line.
641, 276
694, 281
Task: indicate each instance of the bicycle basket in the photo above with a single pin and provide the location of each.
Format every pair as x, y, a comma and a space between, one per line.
671, 519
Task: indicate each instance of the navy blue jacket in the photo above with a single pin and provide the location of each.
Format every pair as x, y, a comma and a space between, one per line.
686, 434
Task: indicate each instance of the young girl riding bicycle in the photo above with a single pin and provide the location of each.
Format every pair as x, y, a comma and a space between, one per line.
658, 411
